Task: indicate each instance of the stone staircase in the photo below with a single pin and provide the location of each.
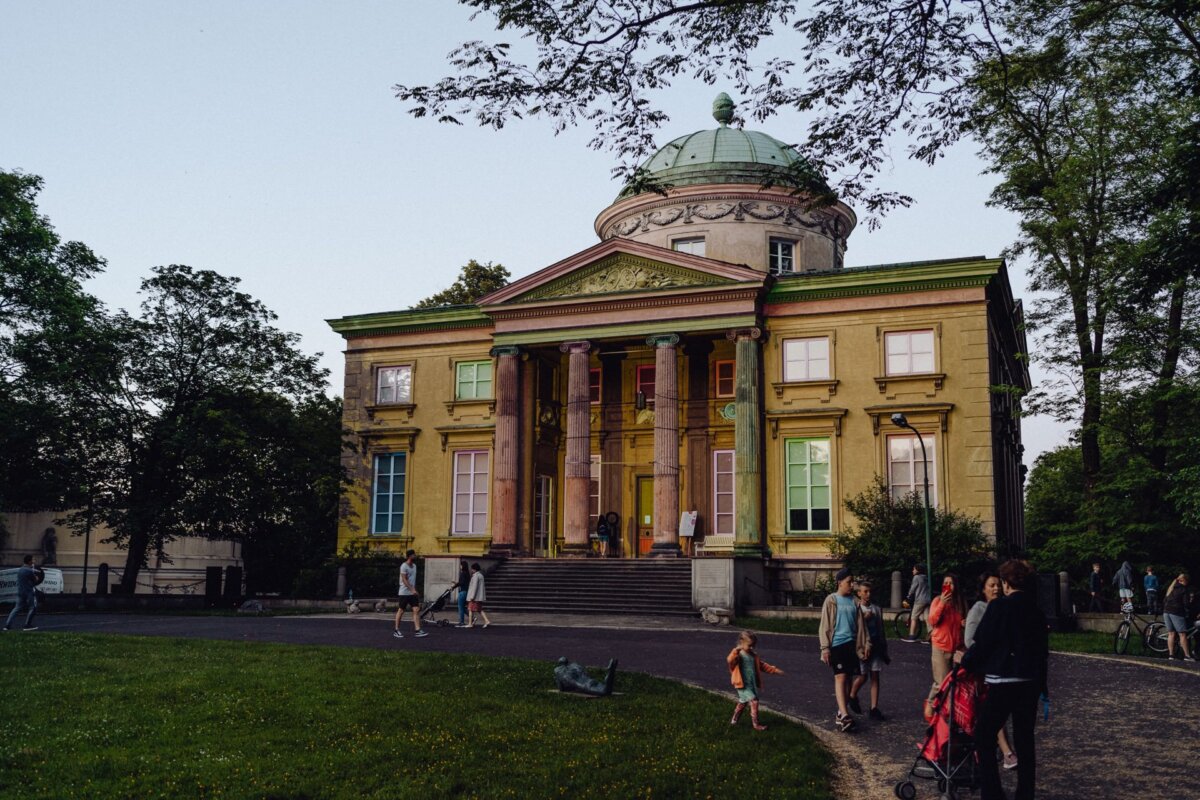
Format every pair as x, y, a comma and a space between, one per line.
659, 586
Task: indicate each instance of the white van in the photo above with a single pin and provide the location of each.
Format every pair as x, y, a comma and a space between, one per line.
53, 584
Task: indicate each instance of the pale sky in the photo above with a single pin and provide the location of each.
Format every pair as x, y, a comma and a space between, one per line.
262, 140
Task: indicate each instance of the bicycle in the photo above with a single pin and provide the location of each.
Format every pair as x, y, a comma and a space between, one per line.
902, 619
1129, 623
1156, 637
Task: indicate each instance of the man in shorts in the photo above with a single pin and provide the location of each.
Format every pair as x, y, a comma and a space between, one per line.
409, 596
844, 642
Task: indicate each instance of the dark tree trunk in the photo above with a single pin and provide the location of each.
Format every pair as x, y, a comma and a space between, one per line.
1160, 406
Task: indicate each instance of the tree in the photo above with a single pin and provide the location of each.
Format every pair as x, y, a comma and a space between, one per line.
474, 281
47, 322
201, 375
890, 535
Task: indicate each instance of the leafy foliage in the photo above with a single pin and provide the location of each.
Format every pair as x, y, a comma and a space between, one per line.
474, 281
890, 535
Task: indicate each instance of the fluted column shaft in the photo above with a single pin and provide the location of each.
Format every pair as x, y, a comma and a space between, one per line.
666, 445
577, 486
508, 449
747, 437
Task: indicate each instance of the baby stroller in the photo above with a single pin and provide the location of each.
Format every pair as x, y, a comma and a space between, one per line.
948, 753
429, 610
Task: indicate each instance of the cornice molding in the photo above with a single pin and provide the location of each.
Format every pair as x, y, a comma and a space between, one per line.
883, 280
661, 301
410, 321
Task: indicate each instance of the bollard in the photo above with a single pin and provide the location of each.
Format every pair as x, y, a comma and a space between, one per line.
212, 587
102, 580
1064, 595
897, 590
341, 582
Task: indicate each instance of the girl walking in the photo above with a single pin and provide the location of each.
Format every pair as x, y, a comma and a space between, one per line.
476, 595
745, 673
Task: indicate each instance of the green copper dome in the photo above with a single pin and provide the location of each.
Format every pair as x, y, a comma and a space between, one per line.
726, 155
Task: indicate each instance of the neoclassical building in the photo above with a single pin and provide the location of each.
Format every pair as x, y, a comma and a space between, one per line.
710, 354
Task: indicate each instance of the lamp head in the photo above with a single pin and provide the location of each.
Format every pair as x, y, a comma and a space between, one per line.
900, 420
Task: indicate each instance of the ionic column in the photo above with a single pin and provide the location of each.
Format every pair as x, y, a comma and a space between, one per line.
508, 449
747, 437
666, 445
577, 485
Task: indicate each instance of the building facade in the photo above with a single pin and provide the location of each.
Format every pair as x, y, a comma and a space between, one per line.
711, 354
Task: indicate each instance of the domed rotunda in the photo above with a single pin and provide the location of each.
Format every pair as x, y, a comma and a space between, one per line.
738, 196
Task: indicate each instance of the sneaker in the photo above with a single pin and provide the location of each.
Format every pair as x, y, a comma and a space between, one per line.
486, 624
876, 714
855, 706
397, 635
30, 628
843, 723
909, 639
421, 633
1010, 761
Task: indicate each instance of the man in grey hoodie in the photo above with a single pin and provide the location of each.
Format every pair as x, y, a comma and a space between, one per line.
1124, 581
918, 601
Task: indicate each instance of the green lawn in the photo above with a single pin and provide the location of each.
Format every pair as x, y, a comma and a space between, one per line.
131, 717
1077, 642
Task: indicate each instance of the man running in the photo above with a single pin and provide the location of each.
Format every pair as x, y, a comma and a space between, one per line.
409, 596
28, 577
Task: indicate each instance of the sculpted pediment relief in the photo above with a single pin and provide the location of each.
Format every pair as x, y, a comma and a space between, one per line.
621, 273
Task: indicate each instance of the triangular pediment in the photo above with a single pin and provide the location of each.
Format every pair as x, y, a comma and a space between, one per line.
618, 267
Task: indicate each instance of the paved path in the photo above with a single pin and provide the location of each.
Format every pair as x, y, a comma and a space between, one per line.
1118, 727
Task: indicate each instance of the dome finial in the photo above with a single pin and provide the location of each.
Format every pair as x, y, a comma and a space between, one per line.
723, 109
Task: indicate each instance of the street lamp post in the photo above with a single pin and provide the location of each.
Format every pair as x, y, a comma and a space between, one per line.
901, 421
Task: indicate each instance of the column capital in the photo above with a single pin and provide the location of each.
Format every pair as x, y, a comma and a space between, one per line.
504, 350
575, 347
744, 333
663, 340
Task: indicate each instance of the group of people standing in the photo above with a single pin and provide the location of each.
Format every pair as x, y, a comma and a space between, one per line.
470, 588
1001, 642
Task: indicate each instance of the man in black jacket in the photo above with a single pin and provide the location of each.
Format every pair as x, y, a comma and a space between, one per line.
1010, 651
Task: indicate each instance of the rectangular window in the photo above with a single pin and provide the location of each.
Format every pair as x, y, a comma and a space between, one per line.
543, 512
725, 372
393, 385
808, 487
906, 470
473, 381
723, 493
645, 382
594, 386
806, 359
909, 352
470, 493
694, 245
387, 502
781, 256
594, 495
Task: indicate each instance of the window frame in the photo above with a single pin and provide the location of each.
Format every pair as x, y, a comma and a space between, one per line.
809, 486
379, 372
805, 340
595, 491
474, 496
931, 467
392, 494
732, 364
889, 336
639, 382
595, 386
475, 381
690, 240
772, 267
717, 493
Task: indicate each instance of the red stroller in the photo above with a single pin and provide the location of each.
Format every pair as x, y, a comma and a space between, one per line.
948, 753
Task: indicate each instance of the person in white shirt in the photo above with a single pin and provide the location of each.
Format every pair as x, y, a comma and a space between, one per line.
409, 596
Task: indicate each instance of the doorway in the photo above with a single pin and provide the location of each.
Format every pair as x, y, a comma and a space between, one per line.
645, 515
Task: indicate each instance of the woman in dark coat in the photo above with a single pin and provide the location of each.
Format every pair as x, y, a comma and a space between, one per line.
1010, 651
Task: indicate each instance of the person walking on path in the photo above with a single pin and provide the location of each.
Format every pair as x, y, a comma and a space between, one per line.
28, 577
989, 583
1010, 651
1174, 615
1124, 582
947, 615
409, 596
844, 643
461, 584
745, 673
873, 666
1150, 585
1095, 586
476, 597
917, 600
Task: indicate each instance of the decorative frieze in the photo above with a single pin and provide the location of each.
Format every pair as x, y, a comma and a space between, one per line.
826, 223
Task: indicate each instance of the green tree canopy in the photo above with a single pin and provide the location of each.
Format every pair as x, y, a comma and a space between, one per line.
474, 281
